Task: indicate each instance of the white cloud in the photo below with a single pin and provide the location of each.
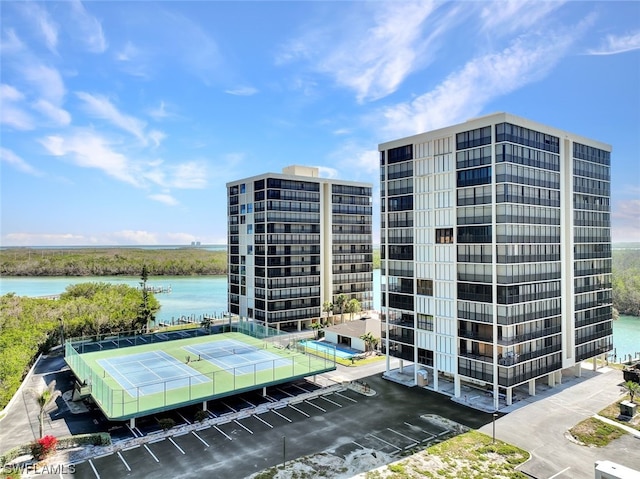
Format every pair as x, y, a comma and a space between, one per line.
160, 112
327, 172
10, 42
10, 158
87, 28
129, 53
157, 137
164, 198
508, 16
618, 44
9, 93
89, 150
59, 116
43, 239
464, 93
100, 107
47, 28
242, 91
372, 54
190, 175
46, 80
12, 114
135, 237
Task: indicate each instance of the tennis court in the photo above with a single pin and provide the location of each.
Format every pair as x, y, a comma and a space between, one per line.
159, 375
146, 373
237, 357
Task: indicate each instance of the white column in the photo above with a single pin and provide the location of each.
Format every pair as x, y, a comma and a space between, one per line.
578, 370
132, 423
532, 387
456, 386
558, 377
551, 379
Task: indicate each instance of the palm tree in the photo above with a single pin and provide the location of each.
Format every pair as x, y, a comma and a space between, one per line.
370, 341
327, 307
353, 306
44, 399
632, 388
341, 301
316, 328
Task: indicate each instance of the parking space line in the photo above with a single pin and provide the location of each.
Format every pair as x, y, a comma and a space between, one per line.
332, 402
226, 405
184, 418
249, 403
315, 405
283, 417
296, 409
177, 447
222, 432
243, 426
124, 462
300, 387
346, 397
139, 431
266, 396
359, 445
131, 447
385, 442
444, 432
400, 434
150, 452
157, 440
262, 420
135, 434
564, 470
429, 434
94, 469
201, 440
282, 391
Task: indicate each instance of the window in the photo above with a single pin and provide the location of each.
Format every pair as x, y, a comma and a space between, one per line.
444, 235
402, 153
425, 321
425, 287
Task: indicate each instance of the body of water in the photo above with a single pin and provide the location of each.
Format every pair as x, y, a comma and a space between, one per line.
193, 296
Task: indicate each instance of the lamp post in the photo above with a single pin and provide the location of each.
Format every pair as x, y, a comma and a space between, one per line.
495, 415
61, 333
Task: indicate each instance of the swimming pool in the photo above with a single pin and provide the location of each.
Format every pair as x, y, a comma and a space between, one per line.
329, 349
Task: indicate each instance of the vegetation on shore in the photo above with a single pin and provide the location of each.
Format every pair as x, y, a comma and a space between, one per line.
29, 326
111, 262
626, 281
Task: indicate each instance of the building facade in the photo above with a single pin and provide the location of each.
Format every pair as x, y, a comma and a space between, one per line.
296, 241
496, 253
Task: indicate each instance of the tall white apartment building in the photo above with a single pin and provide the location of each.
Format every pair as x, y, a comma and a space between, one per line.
295, 241
496, 253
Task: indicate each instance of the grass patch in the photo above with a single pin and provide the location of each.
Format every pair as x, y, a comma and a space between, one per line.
468, 456
612, 411
593, 432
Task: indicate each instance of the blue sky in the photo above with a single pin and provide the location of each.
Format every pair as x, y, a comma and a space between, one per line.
121, 122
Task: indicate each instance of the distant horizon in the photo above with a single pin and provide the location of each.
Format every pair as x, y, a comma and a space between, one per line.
635, 244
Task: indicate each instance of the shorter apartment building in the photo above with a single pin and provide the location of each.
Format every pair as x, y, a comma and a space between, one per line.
295, 241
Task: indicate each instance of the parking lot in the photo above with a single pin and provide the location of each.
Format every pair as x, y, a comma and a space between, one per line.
393, 421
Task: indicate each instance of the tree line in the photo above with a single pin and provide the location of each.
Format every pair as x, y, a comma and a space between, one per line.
111, 262
626, 281
29, 326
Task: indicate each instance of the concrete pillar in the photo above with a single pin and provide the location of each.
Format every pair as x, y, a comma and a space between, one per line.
132, 422
509, 396
558, 377
595, 363
496, 397
435, 379
551, 379
204, 405
299, 325
532, 387
264, 391
578, 370
278, 326
401, 365
457, 388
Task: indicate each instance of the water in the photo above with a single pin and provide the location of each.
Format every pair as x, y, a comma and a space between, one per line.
328, 350
193, 296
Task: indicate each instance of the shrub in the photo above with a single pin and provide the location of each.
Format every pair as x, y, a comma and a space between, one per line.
201, 415
43, 447
166, 423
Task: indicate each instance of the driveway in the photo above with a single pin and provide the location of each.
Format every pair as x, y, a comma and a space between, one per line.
540, 426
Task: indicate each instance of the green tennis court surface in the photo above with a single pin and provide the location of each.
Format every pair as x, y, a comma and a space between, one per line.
132, 377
